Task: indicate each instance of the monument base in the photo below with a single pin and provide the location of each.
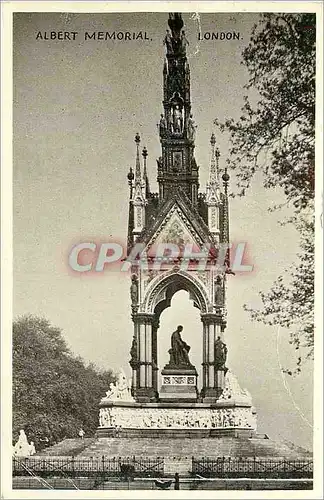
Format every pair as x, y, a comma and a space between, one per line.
112, 432
179, 385
132, 419
178, 412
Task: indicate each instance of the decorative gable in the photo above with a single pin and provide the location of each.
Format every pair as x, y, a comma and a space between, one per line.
177, 223
176, 228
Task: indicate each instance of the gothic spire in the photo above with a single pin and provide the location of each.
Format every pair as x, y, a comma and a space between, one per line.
177, 167
213, 186
226, 178
138, 179
130, 177
145, 176
139, 186
138, 200
214, 167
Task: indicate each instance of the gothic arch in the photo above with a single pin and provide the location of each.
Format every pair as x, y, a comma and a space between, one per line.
159, 295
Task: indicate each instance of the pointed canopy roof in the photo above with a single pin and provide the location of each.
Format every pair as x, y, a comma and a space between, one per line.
179, 211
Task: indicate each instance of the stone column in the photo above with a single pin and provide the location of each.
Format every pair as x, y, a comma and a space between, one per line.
220, 371
134, 352
205, 354
155, 369
143, 389
213, 378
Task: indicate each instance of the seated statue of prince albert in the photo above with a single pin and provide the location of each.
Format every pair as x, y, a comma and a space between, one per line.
179, 356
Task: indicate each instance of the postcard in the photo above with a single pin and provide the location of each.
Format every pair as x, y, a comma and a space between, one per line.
162, 177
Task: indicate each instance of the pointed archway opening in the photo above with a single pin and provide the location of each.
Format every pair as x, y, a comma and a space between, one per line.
148, 368
180, 311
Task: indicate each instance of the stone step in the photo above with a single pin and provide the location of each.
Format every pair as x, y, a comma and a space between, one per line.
68, 447
168, 447
190, 447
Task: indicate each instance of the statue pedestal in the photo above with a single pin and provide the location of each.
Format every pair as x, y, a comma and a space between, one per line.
176, 420
178, 414
179, 385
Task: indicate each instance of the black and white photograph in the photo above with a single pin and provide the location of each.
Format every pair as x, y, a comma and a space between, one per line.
161, 207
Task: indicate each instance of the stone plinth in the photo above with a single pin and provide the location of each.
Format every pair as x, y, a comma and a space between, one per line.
198, 419
179, 385
178, 413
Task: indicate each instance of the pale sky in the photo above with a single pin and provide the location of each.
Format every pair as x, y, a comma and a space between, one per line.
77, 107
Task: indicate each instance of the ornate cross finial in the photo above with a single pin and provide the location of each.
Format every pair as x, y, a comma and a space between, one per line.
176, 24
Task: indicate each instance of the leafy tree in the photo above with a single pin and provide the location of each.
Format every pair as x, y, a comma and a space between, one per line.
275, 135
54, 392
290, 302
280, 60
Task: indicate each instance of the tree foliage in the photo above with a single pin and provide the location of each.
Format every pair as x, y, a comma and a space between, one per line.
275, 135
54, 392
290, 302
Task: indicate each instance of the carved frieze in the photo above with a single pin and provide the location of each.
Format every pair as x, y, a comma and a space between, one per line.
174, 418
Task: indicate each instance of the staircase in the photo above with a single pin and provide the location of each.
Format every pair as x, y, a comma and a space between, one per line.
68, 447
166, 447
